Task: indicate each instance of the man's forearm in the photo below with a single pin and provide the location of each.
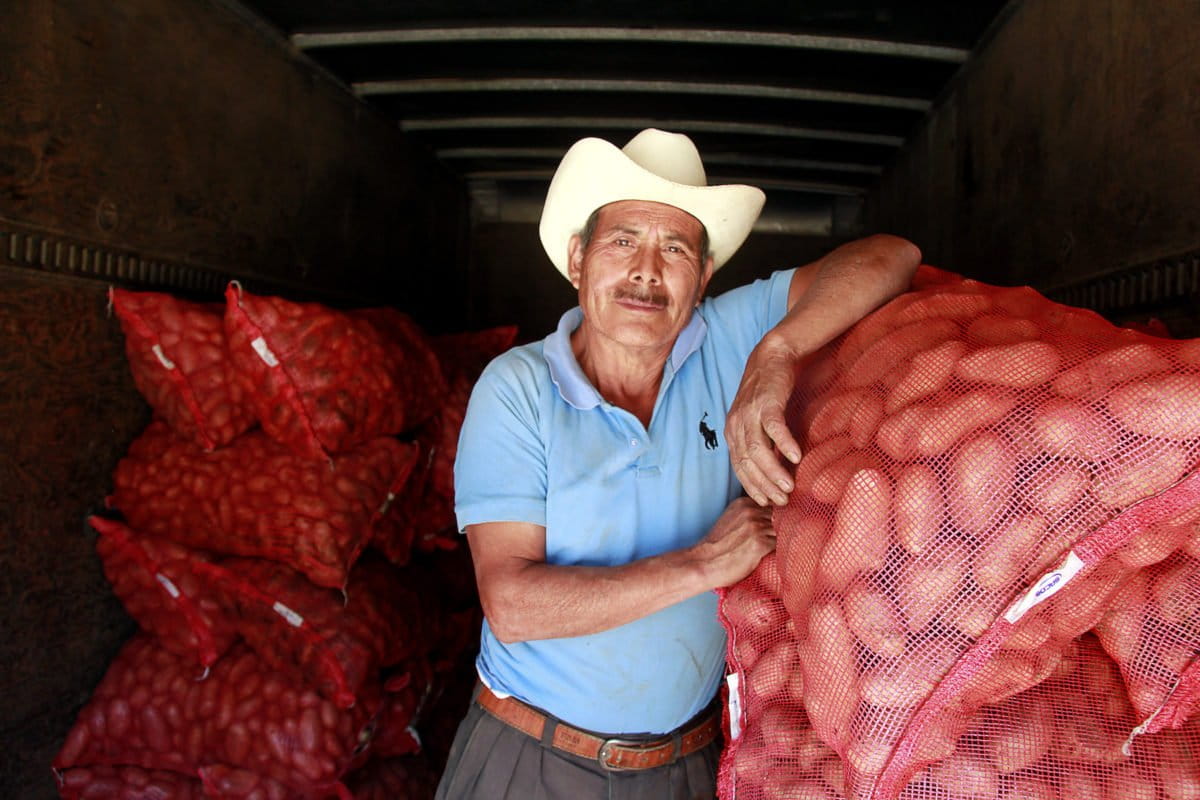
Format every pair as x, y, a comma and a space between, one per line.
545, 601
849, 283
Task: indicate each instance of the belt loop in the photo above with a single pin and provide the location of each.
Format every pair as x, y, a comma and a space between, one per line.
548, 731
676, 745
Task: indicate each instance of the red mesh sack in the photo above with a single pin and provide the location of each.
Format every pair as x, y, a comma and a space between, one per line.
406, 778
154, 580
257, 498
983, 470
233, 783
334, 643
149, 711
463, 357
1072, 742
1152, 631
324, 381
103, 782
406, 693
176, 351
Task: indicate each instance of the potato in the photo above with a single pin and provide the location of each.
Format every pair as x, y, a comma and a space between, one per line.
1069, 429
961, 305
926, 584
1163, 406
1020, 366
894, 686
1000, 563
875, 621
1093, 378
980, 482
855, 412
897, 345
925, 374
801, 538
1176, 591
830, 485
918, 507
1027, 787
1000, 329
967, 777
1023, 731
831, 674
754, 615
1056, 486
1128, 782
1137, 475
860, 536
769, 677
813, 462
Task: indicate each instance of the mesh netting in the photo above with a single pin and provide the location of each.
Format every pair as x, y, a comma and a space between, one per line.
407, 691
150, 711
177, 354
984, 472
323, 381
104, 782
256, 498
335, 644
154, 581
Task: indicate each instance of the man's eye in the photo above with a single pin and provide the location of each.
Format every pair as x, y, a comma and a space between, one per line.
623, 242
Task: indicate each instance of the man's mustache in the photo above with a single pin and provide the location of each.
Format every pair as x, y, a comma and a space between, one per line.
641, 296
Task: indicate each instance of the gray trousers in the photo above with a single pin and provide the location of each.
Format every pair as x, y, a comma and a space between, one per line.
490, 760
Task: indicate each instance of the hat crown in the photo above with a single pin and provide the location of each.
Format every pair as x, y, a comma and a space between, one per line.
672, 156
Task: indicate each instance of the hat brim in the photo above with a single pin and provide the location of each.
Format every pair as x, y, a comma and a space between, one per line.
594, 173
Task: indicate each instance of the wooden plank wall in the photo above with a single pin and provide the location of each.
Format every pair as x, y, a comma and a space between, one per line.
173, 130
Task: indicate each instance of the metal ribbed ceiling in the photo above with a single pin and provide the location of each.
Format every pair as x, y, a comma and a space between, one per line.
809, 100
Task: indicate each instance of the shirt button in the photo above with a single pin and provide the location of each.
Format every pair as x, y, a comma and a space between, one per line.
633, 442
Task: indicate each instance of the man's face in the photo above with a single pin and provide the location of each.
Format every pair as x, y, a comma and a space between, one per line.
642, 273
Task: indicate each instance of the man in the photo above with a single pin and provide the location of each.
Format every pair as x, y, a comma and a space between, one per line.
592, 480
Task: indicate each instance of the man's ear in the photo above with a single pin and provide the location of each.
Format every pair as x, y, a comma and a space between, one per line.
574, 259
705, 276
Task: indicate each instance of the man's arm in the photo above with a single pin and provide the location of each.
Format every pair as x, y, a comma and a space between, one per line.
525, 598
824, 299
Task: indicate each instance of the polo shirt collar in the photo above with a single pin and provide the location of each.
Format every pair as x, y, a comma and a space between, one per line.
574, 386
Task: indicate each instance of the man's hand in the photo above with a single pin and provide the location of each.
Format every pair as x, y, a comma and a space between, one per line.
756, 431
736, 543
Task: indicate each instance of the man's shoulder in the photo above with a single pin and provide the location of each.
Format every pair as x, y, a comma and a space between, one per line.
520, 369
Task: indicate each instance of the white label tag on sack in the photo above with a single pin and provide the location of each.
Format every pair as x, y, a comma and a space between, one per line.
264, 352
1046, 587
734, 681
171, 588
294, 619
162, 357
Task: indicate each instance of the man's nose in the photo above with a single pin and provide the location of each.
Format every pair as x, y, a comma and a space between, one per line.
647, 267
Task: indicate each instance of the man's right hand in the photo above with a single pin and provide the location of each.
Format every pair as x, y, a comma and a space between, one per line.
737, 542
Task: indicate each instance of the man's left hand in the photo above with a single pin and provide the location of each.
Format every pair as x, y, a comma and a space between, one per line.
756, 431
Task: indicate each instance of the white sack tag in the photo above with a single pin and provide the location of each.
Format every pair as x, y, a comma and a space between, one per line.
294, 619
264, 352
171, 588
734, 681
1046, 587
162, 357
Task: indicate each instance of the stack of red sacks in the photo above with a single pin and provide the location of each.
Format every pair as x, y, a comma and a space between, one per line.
283, 534
987, 579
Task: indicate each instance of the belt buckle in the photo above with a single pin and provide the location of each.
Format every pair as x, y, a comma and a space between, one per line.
605, 753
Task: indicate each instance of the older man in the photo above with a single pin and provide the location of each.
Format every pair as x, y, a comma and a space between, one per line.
599, 478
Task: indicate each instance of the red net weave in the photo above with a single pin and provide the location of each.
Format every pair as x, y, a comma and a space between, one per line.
154, 580
256, 498
177, 354
323, 381
105, 782
151, 711
984, 472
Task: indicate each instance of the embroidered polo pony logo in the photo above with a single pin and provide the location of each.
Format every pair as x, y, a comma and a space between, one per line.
710, 436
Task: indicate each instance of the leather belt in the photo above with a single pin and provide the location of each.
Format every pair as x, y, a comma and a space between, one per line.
614, 754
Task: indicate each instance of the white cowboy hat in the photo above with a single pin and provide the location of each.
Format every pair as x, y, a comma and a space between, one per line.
656, 166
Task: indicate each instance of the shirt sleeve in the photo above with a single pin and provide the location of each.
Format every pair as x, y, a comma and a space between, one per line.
500, 468
746, 313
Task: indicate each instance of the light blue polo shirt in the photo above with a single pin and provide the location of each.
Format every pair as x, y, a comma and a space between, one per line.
540, 445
